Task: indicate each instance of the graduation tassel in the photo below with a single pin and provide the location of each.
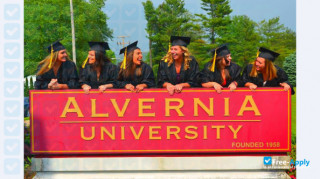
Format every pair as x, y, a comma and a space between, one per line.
214, 61
123, 65
257, 53
166, 60
51, 57
85, 62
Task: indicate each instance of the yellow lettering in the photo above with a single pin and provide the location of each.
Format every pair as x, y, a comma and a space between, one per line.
71, 100
152, 132
105, 131
252, 108
205, 132
136, 136
218, 130
94, 112
175, 133
142, 107
193, 132
122, 132
197, 102
177, 108
226, 107
93, 133
116, 107
235, 132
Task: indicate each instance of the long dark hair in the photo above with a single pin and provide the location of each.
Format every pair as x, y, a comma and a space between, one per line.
101, 59
219, 67
131, 68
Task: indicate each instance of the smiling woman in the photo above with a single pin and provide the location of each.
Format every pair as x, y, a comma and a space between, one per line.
134, 74
178, 69
98, 72
263, 73
56, 71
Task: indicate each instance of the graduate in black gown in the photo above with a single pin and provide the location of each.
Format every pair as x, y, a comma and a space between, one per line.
221, 71
263, 73
134, 74
56, 71
178, 69
97, 71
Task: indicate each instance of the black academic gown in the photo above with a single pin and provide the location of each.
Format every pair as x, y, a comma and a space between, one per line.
146, 77
108, 75
67, 74
282, 78
169, 74
206, 75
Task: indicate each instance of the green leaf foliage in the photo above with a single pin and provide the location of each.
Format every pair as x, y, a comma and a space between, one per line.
49, 20
215, 19
289, 66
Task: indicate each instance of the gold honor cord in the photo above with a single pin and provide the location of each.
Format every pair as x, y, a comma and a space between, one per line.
51, 57
214, 61
85, 62
123, 65
166, 60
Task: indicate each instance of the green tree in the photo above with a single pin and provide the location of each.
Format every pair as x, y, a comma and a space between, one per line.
216, 17
169, 18
243, 39
289, 66
49, 20
26, 87
277, 37
150, 15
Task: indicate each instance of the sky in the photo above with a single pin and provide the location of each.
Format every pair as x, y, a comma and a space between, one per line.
126, 17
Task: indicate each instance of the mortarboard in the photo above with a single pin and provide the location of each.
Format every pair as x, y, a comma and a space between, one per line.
127, 50
179, 40
97, 46
267, 54
54, 47
222, 50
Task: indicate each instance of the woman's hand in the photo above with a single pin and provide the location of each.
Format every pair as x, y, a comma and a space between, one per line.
52, 83
102, 88
86, 88
233, 86
285, 86
178, 88
140, 87
252, 87
130, 87
217, 87
171, 88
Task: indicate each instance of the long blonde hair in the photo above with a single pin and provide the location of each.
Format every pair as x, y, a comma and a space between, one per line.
45, 63
131, 68
271, 70
186, 57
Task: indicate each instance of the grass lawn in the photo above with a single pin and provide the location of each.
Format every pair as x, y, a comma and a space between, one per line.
293, 114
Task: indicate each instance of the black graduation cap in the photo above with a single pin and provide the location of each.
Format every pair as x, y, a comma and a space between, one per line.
99, 46
56, 46
268, 54
222, 50
179, 40
129, 48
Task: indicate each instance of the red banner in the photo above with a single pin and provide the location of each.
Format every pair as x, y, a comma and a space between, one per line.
152, 121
